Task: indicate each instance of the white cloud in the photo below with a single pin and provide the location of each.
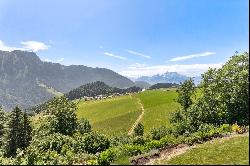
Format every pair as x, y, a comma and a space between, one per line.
101, 47
188, 70
34, 46
180, 58
60, 60
115, 56
4, 47
138, 53
27, 46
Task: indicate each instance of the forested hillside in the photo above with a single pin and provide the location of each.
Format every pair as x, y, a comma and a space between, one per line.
163, 85
98, 89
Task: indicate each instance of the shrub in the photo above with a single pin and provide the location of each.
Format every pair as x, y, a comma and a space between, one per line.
139, 130
120, 140
133, 150
167, 140
226, 128
106, 157
53, 142
154, 144
83, 126
158, 133
236, 128
92, 142
138, 140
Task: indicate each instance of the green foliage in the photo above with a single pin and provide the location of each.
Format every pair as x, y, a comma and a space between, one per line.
139, 130
224, 96
26, 131
185, 91
137, 147
64, 111
106, 157
138, 140
3, 120
52, 142
158, 133
54, 149
98, 88
163, 85
83, 126
45, 125
120, 140
58, 115
133, 150
19, 132
91, 142
177, 117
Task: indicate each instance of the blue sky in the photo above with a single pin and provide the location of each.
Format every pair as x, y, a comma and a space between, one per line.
131, 37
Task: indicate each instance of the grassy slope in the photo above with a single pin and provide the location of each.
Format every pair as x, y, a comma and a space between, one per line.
110, 116
117, 115
234, 151
158, 105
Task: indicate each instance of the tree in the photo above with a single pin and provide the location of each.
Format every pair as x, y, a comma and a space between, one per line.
14, 136
139, 130
83, 126
185, 91
63, 111
26, 131
2, 126
224, 95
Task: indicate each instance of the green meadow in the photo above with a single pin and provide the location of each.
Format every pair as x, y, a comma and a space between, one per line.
117, 115
233, 151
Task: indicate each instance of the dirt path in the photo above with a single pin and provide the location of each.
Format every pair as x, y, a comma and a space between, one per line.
138, 119
170, 152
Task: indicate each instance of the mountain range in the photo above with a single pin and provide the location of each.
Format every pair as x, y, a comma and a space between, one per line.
168, 77
26, 81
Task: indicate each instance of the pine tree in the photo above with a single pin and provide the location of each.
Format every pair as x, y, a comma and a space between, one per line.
14, 135
139, 130
26, 131
2, 126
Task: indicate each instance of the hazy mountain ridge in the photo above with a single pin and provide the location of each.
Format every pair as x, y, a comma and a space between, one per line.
20, 70
168, 77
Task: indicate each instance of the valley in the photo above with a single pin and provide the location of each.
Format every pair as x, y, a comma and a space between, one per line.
124, 82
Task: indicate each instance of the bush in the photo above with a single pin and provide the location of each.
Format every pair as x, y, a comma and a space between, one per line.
106, 157
154, 144
236, 128
83, 126
133, 150
158, 133
226, 128
53, 142
138, 140
181, 128
167, 140
120, 140
92, 142
139, 130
